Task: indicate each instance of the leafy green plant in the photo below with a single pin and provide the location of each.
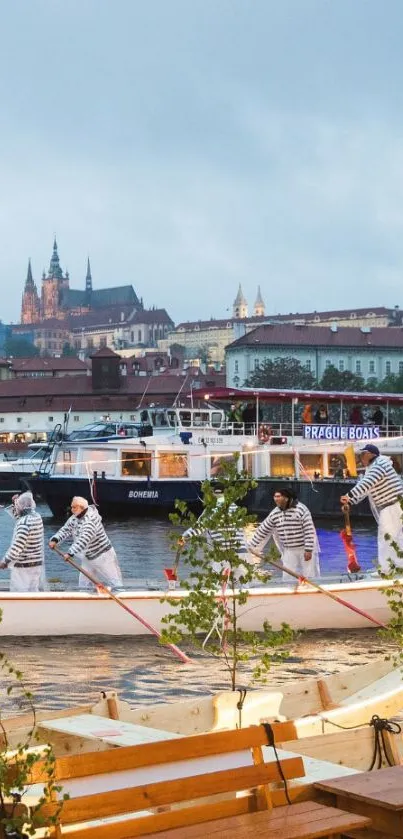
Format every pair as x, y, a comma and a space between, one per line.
218, 579
394, 594
20, 761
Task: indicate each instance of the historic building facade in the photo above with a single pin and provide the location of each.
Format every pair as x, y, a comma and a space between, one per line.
58, 301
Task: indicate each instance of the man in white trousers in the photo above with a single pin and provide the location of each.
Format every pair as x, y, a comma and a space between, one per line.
25, 556
90, 544
384, 489
290, 525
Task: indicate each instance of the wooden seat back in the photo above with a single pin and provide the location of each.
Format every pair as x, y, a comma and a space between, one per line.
137, 782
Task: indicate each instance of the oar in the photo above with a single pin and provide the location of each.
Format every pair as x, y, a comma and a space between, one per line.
353, 566
321, 589
183, 657
172, 573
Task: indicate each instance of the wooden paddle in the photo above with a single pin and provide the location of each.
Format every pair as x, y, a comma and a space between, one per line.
330, 594
353, 566
183, 657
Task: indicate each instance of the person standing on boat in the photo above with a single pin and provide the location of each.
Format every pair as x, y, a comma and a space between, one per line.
25, 556
290, 525
90, 544
384, 488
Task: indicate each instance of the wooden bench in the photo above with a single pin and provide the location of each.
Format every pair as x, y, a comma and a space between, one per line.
155, 787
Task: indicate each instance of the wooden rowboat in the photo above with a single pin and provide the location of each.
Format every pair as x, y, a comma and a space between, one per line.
301, 606
302, 710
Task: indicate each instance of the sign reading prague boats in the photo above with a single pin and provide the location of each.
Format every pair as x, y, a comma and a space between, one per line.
341, 432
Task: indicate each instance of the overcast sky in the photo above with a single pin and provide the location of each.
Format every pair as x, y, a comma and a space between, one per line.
188, 146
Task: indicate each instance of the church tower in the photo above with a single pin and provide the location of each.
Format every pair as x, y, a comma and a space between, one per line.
240, 307
88, 284
259, 307
53, 285
30, 308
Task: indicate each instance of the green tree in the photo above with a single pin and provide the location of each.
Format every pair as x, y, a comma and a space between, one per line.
19, 761
20, 348
334, 379
282, 372
68, 350
391, 384
217, 584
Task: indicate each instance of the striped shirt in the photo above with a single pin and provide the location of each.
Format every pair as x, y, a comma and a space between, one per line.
291, 528
380, 482
87, 534
228, 537
27, 544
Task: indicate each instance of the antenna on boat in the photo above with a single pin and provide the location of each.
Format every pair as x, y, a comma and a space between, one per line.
143, 394
180, 389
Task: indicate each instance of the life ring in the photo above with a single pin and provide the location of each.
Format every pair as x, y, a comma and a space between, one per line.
265, 432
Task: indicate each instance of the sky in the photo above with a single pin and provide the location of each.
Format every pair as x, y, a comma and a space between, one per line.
188, 146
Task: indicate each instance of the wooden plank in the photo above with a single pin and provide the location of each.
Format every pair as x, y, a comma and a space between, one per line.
382, 819
285, 823
384, 787
112, 731
179, 789
150, 754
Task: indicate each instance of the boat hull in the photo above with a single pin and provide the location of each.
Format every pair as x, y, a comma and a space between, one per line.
115, 497
79, 613
132, 498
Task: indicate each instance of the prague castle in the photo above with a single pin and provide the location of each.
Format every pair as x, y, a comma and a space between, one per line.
57, 300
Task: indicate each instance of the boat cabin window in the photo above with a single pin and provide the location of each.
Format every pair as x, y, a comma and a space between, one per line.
136, 464
172, 419
311, 466
173, 465
282, 466
218, 461
66, 461
216, 419
337, 466
185, 418
99, 460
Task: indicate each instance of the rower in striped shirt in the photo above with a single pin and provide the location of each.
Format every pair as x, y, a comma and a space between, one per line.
25, 556
384, 489
290, 525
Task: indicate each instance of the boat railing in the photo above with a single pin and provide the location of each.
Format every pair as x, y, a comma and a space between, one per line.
55, 437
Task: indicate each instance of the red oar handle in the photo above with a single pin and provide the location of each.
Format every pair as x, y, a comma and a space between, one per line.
183, 657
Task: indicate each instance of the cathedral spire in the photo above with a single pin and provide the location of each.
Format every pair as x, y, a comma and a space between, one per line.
29, 282
88, 279
259, 306
54, 266
240, 307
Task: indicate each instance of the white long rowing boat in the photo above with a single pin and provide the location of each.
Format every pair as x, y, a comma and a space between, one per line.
301, 606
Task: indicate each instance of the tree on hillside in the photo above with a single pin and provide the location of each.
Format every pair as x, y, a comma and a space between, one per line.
391, 384
334, 379
282, 372
20, 348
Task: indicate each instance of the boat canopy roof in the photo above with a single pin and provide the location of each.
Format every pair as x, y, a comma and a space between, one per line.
273, 395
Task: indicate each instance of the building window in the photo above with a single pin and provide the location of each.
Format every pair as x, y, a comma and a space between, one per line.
328, 363
102, 341
400, 368
387, 367
76, 418
19, 419
1, 419
50, 419
308, 365
256, 364
139, 336
236, 367
358, 366
371, 367
341, 365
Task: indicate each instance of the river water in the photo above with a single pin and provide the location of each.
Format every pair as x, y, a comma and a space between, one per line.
69, 671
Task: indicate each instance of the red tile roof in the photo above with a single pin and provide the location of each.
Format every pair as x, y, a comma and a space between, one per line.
290, 335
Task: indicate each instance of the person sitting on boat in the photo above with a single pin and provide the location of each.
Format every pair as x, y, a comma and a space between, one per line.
290, 525
25, 556
383, 487
90, 544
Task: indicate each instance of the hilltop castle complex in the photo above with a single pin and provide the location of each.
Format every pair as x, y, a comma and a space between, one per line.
57, 300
